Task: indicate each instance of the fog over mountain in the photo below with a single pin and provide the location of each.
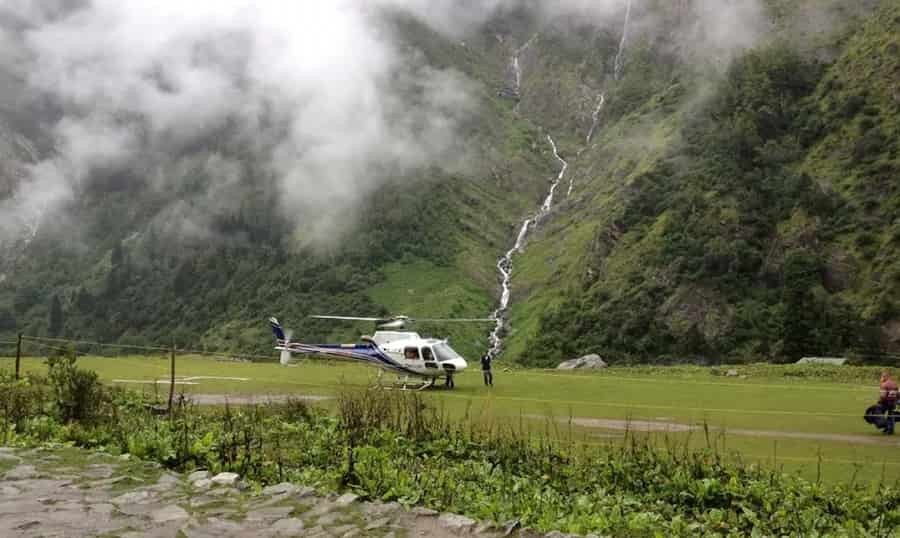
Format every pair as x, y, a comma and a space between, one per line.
319, 97
316, 95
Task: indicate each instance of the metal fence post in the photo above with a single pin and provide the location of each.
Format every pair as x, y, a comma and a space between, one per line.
18, 355
171, 381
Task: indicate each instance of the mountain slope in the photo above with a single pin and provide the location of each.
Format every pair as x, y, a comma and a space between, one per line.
728, 226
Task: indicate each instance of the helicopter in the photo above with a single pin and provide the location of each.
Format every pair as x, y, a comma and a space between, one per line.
390, 349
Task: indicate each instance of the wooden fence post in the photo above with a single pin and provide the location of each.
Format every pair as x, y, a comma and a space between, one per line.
18, 355
171, 380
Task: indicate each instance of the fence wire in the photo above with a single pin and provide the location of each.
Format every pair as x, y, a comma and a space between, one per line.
40, 340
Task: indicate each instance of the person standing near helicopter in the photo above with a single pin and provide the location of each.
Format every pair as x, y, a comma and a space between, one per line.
888, 397
486, 370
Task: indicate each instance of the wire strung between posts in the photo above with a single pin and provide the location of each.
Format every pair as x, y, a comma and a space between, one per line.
48, 346
89, 343
37, 339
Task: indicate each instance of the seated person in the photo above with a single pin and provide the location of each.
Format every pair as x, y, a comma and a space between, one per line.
887, 399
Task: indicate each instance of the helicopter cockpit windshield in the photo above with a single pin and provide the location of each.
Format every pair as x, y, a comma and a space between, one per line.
445, 353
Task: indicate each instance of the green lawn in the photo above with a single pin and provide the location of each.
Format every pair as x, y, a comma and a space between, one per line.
773, 408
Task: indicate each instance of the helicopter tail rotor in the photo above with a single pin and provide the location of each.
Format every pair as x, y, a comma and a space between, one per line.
277, 330
282, 341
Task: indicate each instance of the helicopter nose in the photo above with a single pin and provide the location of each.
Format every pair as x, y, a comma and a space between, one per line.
454, 365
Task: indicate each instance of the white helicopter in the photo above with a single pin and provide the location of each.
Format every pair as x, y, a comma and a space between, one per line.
402, 352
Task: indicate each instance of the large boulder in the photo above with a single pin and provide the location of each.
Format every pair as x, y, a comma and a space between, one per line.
592, 361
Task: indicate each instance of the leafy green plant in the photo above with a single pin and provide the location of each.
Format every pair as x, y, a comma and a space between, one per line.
77, 392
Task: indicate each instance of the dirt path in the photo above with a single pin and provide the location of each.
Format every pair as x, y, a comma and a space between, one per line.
249, 399
73, 493
674, 427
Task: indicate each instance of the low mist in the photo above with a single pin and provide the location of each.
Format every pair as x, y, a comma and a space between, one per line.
312, 100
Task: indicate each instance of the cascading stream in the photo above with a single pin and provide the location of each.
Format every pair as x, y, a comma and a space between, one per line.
545, 207
517, 69
617, 66
596, 117
504, 265
617, 73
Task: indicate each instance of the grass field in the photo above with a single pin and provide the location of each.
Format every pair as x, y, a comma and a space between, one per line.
808, 425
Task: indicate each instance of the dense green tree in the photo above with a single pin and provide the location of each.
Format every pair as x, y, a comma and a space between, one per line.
55, 320
7, 320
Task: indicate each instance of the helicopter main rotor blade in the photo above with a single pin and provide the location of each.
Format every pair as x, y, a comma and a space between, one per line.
452, 320
350, 318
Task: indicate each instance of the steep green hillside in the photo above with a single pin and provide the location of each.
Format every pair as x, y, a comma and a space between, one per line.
747, 219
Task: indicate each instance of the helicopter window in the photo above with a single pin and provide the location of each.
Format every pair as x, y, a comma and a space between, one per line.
445, 352
426, 354
411, 353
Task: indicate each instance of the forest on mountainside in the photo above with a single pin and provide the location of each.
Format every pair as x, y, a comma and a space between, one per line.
763, 228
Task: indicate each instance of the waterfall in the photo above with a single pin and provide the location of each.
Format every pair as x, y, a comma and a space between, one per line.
617, 66
596, 117
504, 264
545, 207
617, 73
516, 68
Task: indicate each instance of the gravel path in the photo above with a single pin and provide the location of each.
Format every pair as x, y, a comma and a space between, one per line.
73, 493
674, 427
249, 399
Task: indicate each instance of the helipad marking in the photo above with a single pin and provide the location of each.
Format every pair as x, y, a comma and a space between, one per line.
156, 382
192, 380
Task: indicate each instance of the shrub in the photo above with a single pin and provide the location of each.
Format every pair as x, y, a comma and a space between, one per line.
853, 105
869, 146
78, 393
19, 401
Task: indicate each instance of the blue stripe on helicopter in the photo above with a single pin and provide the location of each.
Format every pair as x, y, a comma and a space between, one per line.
360, 352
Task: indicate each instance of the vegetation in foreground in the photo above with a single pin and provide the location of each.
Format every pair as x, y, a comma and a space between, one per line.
784, 400
396, 447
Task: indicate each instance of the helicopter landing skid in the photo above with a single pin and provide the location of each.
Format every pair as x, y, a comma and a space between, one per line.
403, 383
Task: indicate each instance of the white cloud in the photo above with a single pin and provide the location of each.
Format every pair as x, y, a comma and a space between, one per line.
317, 94
322, 97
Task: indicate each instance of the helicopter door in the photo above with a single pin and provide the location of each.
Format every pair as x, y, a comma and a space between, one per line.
430, 361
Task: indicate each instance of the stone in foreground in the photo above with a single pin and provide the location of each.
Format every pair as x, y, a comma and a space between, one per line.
169, 513
198, 475
346, 499
456, 522
284, 488
225, 479
288, 527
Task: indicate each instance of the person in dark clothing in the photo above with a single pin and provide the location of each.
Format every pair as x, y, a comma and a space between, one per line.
888, 397
486, 370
